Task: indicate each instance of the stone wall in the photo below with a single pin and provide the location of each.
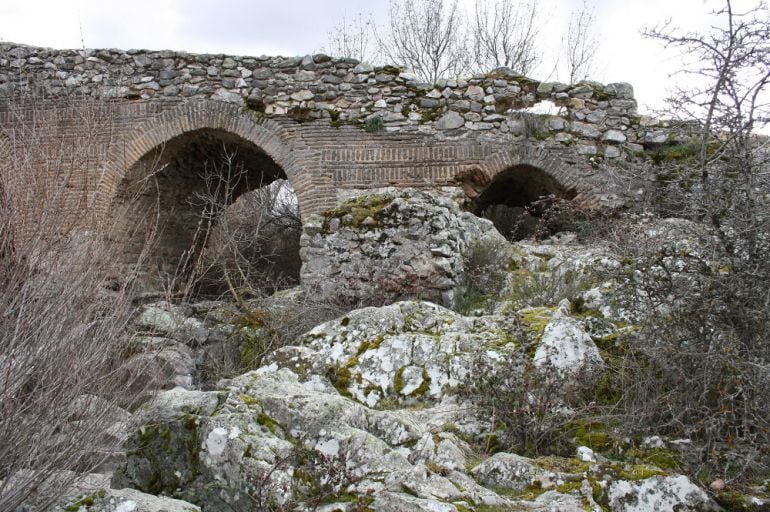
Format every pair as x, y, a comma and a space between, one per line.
594, 118
80, 126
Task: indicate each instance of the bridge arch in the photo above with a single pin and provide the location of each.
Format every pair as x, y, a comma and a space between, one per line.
267, 135
174, 180
516, 189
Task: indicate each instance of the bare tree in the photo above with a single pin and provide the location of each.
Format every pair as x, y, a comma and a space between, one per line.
731, 66
505, 35
427, 37
580, 43
709, 348
354, 38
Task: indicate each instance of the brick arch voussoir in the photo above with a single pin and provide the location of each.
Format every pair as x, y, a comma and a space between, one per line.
552, 165
265, 134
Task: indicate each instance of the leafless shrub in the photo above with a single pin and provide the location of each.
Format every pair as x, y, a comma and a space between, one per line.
542, 219
580, 43
531, 410
425, 36
354, 37
504, 34
61, 316
251, 244
703, 291
264, 325
485, 273
319, 479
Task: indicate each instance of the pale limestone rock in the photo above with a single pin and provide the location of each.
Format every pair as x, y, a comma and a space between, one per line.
663, 494
450, 121
566, 348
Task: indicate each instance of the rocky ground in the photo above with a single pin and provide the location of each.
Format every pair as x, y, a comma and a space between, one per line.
377, 409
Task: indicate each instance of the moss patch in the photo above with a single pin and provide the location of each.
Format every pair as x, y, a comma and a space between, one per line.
352, 213
534, 321
592, 435
662, 458
562, 464
639, 472
399, 384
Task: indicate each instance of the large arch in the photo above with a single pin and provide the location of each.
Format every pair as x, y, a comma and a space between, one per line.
267, 135
167, 180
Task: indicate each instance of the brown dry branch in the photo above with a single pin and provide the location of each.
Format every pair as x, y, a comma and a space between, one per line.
61, 315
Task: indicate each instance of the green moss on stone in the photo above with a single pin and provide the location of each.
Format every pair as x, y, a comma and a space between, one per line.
662, 458
639, 472
268, 422
373, 344
534, 321
352, 213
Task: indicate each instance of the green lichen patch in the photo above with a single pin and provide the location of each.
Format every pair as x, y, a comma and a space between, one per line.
399, 384
368, 345
662, 458
592, 435
636, 472
86, 501
354, 212
738, 501
534, 320
530, 492
269, 423
562, 464
569, 487
341, 377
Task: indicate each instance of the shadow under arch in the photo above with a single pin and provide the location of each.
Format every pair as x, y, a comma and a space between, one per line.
172, 198
519, 199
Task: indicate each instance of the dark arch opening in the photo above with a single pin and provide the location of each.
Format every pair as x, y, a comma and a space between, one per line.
521, 202
208, 211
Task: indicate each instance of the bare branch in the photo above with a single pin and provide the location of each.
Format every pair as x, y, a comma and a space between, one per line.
580, 44
354, 38
426, 37
505, 35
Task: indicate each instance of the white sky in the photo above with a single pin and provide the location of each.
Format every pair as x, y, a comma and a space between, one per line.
299, 27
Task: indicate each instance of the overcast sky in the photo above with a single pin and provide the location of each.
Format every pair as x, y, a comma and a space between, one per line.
299, 27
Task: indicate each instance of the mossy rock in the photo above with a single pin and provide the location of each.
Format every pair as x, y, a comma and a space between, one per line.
354, 212
562, 464
162, 458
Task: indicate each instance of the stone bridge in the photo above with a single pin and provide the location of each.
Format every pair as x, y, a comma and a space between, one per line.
93, 127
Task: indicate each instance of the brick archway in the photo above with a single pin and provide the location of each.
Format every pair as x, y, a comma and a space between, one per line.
267, 136
566, 175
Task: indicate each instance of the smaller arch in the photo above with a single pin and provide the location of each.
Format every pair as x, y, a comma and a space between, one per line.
519, 191
521, 186
547, 161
